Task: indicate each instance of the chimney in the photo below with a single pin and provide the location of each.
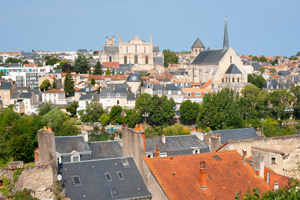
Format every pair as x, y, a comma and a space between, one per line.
82, 127
163, 138
276, 185
244, 156
141, 127
136, 127
193, 128
157, 152
45, 128
49, 129
261, 167
202, 175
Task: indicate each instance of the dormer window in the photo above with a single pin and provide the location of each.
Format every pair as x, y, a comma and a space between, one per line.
108, 94
159, 92
118, 94
75, 158
169, 91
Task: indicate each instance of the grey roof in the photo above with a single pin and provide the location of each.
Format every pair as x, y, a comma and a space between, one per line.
155, 48
107, 149
25, 95
273, 84
131, 97
256, 65
284, 73
15, 95
233, 69
172, 87
81, 50
14, 65
118, 85
86, 90
210, 57
158, 60
5, 86
94, 184
111, 49
198, 44
135, 77
84, 97
113, 92
176, 145
67, 144
235, 134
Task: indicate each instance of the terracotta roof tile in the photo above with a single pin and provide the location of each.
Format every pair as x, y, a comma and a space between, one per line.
54, 91
179, 176
205, 85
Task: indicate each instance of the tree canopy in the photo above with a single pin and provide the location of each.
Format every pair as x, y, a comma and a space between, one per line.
92, 112
69, 84
263, 59
98, 69
81, 64
45, 85
189, 112
258, 81
170, 57
107, 71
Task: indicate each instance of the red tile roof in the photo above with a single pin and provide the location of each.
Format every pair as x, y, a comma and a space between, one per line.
54, 91
112, 77
179, 176
205, 85
111, 64
283, 181
30, 65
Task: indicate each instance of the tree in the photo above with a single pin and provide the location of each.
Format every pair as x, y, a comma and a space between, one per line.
293, 58
298, 53
258, 81
13, 60
52, 61
98, 69
273, 71
107, 71
263, 59
254, 58
25, 62
45, 85
170, 57
21, 148
45, 108
104, 119
72, 108
69, 84
93, 82
274, 62
95, 53
262, 70
81, 64
92, 112
2, 74
189, 112
115, 113
54, 85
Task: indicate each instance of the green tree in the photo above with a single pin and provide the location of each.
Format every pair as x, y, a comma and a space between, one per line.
298, 53
45, 108
189, 112
170, 57
54, 85
13, 60
274, 62
273, 71
72, 108
258, 81
107, 71
92, 112
262, 70
25, 62
52, 61
263, 59
295, 91
93, 82
21, 148
95, 53
69, 84
81, 64
45, 85
98, 69
104, 119
254, 58
115, 113
2, 74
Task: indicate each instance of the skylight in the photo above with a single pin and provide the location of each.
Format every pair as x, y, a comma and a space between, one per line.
108, 177
76, 180
125, 162
95, 147
216, 157
121, 176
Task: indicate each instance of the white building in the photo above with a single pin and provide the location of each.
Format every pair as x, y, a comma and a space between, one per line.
55, 96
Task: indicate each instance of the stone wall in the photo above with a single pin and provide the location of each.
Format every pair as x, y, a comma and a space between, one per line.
37, 178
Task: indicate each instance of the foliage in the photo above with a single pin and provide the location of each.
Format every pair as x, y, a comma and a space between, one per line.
17, 173
69, 84
66, 67
7, 186
58, 191
115, 113
262, 70
45, 85
274, 62
189, 112
81, 64
92, 112
52, 61
104, 119
21, 148
176, 129
54, 85
72, 108
93, 82
273, 71
170, 57
133, 117
298, 53
258, 81
293, 58
98, 69
45, 108
262, 59
2, 74
107, 71
25, 62
254, 58
25, 194
95, 53
13, 60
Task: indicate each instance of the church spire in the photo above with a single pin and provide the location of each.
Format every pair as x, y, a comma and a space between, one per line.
225, 42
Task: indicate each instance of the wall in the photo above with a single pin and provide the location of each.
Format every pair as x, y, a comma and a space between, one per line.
37, 178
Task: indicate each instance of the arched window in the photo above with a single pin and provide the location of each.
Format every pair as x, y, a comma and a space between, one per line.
125, 59
233, 80
222, 80
109, 59
136, 59
146, 60
238, 79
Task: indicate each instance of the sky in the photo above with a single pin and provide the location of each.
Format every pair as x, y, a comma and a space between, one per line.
256, 27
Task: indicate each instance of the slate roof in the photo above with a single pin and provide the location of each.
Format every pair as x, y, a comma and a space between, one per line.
158, 60
210, 57
273, 84
15, 95
94, 184
5, 86
53, 91
179, 176
111, 49
233, 69
135, 77
113, 92
198, 44
67, 144
108, 149
84, 97
176, 145
25, 95
131, 97
235, 134
155, 48
284, 73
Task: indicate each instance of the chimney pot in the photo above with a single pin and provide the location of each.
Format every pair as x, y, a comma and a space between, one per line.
45, 128
49, 129
157, 152
136, 127
276, 185
141, 127
163, 138
202, 175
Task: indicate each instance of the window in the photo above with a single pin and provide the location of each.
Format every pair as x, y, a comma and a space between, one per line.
238, 79
179, 92
109, 58
118, 102
75, 158
126, 49
108, 177
188, 94
118, 94
222, 80
135, 48
1, 183
216, 157
135, 59
120, 175
146, 60
159, 92
145, 51
76, 180
233, 80
273, 161
108, 94
169, 91
125, 162
5, 93
125, 59
197, 94
108, 102
230, 59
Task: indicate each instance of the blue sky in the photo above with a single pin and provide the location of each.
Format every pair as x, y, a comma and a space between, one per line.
257, 27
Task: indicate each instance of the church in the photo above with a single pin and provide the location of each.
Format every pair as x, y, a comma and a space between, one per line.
222, 68
135, 52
